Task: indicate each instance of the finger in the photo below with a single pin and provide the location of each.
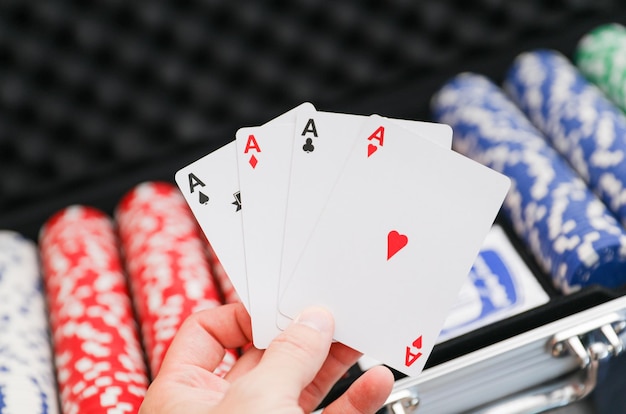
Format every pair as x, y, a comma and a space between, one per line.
366, 395
339, 360
201, 339
293, 359
244, 364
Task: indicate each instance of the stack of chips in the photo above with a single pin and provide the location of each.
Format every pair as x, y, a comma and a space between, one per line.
577, 118
27, 382
601, 57
167, 266
97, 350
567, 228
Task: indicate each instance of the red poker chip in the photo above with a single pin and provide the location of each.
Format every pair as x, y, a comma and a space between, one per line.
97, 351
164, 255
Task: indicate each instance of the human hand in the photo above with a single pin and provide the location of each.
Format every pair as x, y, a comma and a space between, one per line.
293, 375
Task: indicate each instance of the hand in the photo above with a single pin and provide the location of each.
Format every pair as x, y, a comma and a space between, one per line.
293, 375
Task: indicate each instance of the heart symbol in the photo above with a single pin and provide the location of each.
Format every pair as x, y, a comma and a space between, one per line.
395, 242
418, 342
409, 356
371, 148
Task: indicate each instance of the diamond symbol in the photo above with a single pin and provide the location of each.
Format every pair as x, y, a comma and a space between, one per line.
253, 161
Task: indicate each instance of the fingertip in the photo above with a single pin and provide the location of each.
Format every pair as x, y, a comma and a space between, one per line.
376, 382
384, 379
366, 395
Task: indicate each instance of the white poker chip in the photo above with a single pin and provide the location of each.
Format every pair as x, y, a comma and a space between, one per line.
27, 383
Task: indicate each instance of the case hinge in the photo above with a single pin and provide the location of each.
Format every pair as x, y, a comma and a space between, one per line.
590, 344
601, 337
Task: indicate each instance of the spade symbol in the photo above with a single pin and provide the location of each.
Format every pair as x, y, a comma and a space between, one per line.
237, 202
203, 198
308, 146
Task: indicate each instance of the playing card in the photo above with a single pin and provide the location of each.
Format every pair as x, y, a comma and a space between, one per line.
498, 286
322, 144
401, 228
211, 187
263, 156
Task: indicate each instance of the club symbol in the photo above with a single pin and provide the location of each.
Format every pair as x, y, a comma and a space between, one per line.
308, 146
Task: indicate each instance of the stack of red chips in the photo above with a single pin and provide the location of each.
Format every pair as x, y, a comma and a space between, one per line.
97, 350
169, 271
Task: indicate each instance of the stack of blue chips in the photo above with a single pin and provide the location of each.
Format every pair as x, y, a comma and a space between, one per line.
27, 383
578, 119
569, 231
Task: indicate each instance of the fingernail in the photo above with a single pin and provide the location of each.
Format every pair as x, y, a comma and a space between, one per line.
317, 318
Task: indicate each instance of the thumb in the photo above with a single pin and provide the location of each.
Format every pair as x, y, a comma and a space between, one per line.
294, 357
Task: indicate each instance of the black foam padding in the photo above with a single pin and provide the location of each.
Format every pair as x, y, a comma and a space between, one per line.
97, 96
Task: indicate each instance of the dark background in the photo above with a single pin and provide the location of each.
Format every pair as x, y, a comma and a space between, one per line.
98, 96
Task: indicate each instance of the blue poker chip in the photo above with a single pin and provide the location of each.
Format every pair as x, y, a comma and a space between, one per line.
27, 383
577, 118
569, 231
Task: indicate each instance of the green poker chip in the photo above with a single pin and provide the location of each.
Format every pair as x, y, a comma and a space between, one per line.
601, 57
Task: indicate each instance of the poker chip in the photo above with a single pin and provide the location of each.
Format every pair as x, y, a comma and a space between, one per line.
169, 271
27, 383
99, 360
577, 118
569, 231
601, 57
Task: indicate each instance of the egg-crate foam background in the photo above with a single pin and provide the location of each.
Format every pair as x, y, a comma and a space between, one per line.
96, 97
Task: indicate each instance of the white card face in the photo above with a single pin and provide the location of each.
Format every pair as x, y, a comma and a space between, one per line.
211, 187
402, 227
499, 285
440, 134
322, 144
264, 162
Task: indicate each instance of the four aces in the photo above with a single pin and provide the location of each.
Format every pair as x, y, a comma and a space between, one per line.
344, 211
